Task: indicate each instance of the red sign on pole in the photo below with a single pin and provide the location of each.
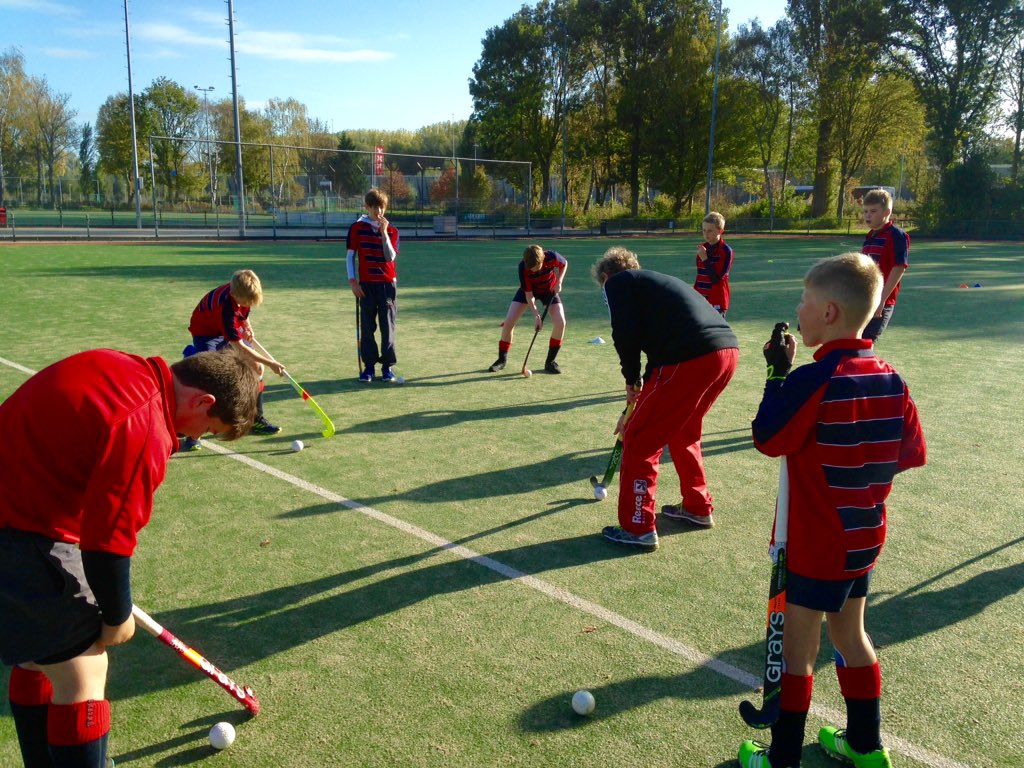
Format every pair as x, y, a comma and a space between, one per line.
378, 160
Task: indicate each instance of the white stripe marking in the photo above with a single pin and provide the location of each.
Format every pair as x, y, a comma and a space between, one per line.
894, 743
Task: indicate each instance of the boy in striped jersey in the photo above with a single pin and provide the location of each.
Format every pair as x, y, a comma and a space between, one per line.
846, 425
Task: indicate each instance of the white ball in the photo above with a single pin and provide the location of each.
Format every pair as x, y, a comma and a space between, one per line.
600, 492
400, 380
583, 702
527, 372
222, 735
297, 445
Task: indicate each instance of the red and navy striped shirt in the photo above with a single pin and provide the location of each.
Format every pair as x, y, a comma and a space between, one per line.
846, 424
364, 239
218, 314
889, 247
713, 274
544, 281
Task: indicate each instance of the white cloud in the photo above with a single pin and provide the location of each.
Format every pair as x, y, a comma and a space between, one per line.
68, 53
40, 6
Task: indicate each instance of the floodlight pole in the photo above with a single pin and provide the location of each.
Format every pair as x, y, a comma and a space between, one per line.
714, 107
239, 179
565, 51
131, 111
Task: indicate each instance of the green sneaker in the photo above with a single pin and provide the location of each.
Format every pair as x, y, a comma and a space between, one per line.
753, 754
833, 741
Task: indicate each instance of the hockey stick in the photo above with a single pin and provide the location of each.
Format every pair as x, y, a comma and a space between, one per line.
772, 686
616, 457
328, 430
536, 331
359, 342
245, 695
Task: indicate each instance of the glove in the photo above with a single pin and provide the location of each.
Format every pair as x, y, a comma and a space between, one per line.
775, 353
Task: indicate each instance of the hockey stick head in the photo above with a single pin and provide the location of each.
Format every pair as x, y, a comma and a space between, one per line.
764, 717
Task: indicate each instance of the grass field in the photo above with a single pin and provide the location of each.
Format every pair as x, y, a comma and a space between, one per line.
428, 587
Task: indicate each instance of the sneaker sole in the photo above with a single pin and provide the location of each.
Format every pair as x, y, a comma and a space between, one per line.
699, 522
634, 544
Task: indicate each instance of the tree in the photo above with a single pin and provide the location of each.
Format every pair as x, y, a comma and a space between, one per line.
1013, 93
86, 161
839, 40
956, 50
13, 83
54, 129
349, 178
174, 112
518, 97
759, 59
114, 138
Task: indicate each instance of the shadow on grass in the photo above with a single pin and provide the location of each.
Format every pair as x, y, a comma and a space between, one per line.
190, 746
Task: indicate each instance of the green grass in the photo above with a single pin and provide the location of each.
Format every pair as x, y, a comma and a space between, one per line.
372, 646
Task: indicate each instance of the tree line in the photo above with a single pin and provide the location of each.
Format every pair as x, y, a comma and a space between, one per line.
921, 94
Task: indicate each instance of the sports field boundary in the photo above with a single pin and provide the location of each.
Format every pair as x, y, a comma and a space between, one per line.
893, 743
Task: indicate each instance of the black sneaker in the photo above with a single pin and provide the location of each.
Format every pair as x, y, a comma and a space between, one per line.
552, 367
263, 427
497, 365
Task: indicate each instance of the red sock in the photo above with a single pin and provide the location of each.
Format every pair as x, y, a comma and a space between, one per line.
860, 682
70, 725
554, 343
796, 692
504, 347
28, 688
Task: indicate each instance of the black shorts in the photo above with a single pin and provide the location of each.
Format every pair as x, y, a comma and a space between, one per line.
49, 613
520, 298
824, 594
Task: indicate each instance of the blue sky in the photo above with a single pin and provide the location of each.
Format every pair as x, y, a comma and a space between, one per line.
405, 65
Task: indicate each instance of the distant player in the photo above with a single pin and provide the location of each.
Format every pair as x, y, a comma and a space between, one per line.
846, 425
541, 274
889, 246
86, 444
373, 240
221, 319
714, 260
691, 356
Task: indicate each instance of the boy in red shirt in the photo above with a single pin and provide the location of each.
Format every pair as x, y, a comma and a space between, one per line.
86, 444
374, 241
221, 319
846, 425
889, 246
714, 260
541, 274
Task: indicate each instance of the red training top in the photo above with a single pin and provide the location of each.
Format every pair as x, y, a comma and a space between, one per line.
86, 444
713, 274
544, 281
889, 246
846, 425
218, 314
364, 239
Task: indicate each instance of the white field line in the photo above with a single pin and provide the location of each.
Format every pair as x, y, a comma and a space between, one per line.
894, 743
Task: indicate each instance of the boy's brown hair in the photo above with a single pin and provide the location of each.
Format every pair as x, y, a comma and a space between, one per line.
533, 256
246, 287
878, 196
851, 280
616, 259
717, 219
376, 197
229, 377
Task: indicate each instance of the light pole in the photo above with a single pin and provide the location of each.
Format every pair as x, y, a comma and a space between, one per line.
136, 180
209, 149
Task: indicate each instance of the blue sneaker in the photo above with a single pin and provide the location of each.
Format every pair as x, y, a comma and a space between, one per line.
188, 444
367, 375
387, 374
619, 535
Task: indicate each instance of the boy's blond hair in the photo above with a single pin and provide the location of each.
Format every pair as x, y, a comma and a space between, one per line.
852, 280
376, 197
227, 376
246, 287
533, 256
717, 219
616, 259
878, 196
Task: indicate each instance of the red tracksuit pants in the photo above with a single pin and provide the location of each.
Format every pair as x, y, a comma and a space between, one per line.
670, 411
